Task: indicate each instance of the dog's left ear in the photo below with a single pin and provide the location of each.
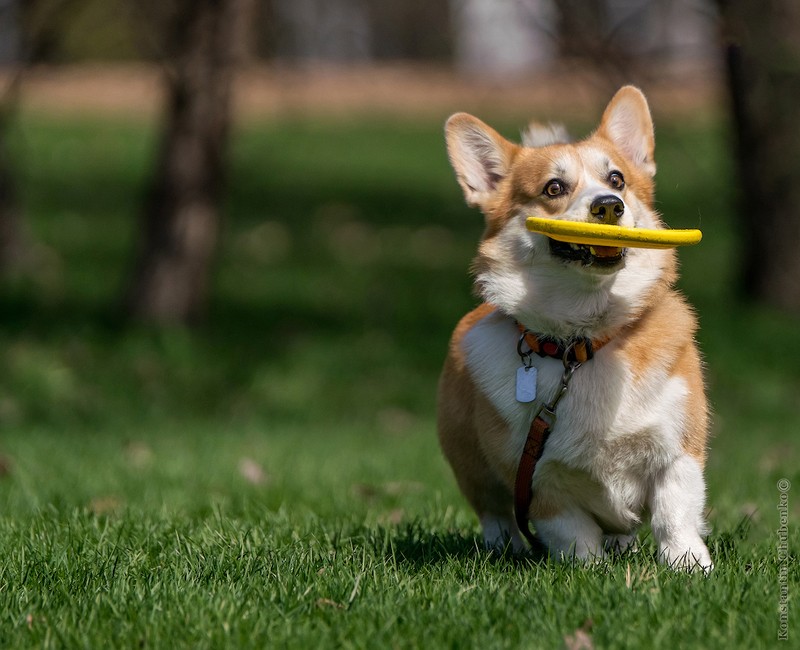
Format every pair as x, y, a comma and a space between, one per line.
627, 124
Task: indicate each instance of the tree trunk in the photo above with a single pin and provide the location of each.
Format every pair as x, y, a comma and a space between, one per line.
181, 218
14, 244
762, 40
583, 30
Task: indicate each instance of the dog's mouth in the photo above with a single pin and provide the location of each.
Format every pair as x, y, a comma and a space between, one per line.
588, 254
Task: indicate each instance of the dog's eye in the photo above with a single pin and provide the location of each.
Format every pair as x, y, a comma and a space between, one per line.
554, 188
616, 180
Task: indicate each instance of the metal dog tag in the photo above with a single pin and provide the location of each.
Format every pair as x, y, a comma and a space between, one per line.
526, 384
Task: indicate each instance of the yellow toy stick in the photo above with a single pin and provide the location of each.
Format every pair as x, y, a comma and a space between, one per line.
598, 234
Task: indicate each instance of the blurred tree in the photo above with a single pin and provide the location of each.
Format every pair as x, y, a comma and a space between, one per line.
199, 43
329, 30
356, 30
583, 28
11, 240
502, 39
9, 32
14, 245
410, 30
17, 251
44, 25
633, 40
28, 30
762, 40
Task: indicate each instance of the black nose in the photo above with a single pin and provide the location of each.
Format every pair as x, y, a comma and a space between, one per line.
608, 208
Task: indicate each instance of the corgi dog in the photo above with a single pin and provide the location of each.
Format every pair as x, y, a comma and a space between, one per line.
627, 439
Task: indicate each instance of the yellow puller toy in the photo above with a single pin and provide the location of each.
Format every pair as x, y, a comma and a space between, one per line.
599, 234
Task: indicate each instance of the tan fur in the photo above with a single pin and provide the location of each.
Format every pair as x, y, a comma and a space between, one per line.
466, 425
651, 341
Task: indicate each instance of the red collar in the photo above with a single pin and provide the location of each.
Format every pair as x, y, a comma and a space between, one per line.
579, 349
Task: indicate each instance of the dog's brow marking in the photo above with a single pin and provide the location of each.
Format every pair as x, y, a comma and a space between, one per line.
597, 162
561, 161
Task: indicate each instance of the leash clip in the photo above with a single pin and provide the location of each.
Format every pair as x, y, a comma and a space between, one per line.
526, 357
548, 411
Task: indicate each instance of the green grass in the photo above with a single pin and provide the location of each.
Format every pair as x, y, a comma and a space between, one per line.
272, 478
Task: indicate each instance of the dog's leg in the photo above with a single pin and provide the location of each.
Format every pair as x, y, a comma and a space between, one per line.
618, 544
571, 534
677, 503
499, 532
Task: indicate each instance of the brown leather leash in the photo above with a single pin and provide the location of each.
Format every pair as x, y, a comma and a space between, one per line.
573, 355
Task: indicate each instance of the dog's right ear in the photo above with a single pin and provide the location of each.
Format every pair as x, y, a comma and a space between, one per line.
628, 125
480, 156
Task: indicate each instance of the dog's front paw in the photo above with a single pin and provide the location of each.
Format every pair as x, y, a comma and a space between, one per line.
619, 544
571, 536
500, 535
694, 558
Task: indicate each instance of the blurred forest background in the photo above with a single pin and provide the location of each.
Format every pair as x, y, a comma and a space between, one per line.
241, 210
196, 59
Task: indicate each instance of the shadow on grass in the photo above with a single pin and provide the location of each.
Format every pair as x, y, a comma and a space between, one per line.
415, 545
418, 547
725, 546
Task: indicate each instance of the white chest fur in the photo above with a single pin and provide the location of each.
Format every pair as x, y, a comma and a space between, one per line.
618, 429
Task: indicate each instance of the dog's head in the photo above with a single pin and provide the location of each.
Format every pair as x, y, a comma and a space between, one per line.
562, 288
